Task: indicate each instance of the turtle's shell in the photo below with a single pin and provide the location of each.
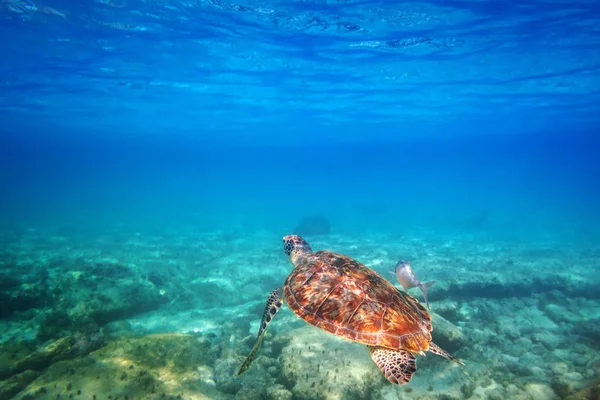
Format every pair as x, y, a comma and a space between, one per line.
348, 299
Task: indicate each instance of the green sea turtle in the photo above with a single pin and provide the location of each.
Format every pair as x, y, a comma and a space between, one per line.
345, 298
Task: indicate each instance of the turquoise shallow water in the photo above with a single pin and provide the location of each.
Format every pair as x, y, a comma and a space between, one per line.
102, 252
154, 154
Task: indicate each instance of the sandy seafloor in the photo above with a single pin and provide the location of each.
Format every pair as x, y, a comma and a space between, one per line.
172, 314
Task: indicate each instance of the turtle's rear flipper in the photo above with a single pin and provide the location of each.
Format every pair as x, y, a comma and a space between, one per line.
398, 366
274, 303
435, 349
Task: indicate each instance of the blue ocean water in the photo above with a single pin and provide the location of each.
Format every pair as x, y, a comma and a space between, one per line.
153, 154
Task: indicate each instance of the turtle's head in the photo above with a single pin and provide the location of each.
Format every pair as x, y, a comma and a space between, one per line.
295, 248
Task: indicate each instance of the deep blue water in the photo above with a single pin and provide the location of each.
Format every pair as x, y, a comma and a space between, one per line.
534, 184
153, 111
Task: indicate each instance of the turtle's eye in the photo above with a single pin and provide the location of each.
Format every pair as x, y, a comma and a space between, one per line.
287, 247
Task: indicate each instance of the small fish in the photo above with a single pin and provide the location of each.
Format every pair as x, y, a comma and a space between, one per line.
407, 278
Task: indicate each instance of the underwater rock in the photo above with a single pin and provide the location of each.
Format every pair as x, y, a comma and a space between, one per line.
560, 314
448, 309
255, 382
8, 283
317, 362
21, 297
595, 365
12, 352
494, 391
569, 383
123, 300
589, 328
278, 392
121, 329
515, 366
54, 324
16, 383
86, 299
540, 391
495, 285
251, 391
313, 225
105, 270
58, 350
159, 278
447, 335
485, 287
591, 392
550, 340
151, 367
226, 375
65, 295
211, 293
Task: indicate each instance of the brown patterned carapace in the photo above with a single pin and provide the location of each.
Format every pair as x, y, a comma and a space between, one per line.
348, 299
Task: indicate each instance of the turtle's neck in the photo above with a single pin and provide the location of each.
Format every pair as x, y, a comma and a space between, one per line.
297, 257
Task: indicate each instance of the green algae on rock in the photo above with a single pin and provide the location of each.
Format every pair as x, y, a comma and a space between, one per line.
16, 383
65, 348
133, 368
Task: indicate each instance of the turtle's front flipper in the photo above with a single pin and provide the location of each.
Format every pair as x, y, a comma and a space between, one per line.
274, 303
398, 366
